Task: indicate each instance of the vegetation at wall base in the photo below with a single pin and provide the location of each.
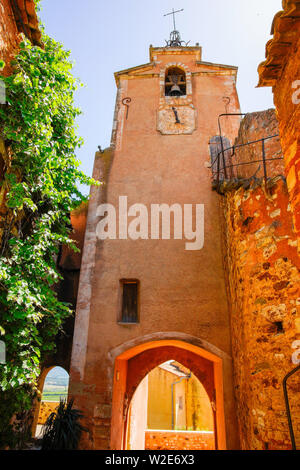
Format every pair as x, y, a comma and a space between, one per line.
38, 190
62, 429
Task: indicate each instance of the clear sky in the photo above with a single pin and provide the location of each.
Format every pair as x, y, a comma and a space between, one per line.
107, 36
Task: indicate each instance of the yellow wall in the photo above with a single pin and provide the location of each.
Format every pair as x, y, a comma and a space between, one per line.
159, 399
196, 413
199, 411
179, 391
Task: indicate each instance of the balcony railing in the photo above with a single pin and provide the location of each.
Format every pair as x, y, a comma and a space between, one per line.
238, 163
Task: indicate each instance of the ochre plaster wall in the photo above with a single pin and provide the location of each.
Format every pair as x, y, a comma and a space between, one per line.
180, 291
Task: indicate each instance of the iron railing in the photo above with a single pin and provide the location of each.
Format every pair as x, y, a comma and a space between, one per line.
287, 406
223, 165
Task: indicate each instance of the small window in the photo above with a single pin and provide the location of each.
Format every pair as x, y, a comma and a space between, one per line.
175, 83
129, 312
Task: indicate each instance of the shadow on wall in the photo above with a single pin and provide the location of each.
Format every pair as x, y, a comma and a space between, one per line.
69, 264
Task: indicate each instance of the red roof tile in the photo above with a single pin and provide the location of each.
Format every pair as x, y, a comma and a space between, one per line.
285, 30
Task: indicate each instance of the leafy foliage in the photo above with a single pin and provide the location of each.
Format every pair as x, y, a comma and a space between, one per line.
37, 194
62, 429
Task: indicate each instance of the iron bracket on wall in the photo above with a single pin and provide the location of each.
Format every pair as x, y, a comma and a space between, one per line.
126, 102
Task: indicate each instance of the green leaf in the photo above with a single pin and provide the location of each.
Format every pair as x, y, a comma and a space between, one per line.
41, 189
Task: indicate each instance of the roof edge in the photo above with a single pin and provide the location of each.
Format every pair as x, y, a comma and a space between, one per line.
212, 64
197, 50
285, 31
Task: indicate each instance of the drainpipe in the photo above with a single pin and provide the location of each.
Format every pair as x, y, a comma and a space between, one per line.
187, 377
287, 405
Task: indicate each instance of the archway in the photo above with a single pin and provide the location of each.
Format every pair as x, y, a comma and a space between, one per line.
170, 409
53, 386
133, 365
175, 82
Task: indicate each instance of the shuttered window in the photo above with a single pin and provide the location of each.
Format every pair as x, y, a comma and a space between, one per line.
215, 147
129, 312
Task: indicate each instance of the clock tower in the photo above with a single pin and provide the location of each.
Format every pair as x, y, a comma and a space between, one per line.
144, 297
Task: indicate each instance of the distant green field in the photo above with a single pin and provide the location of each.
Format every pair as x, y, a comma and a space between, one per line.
56, 385
54, 393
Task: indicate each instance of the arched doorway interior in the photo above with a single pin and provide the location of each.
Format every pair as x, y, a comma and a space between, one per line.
133, 365
170, 409
53, 385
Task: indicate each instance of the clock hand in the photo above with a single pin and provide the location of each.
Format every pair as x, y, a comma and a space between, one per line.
176, 115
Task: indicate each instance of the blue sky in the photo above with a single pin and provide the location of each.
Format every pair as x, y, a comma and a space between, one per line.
107, 36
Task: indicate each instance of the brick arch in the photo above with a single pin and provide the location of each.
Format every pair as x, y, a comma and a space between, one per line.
140, 365
132, 365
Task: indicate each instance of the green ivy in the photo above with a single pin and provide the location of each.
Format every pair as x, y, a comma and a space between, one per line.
39, 190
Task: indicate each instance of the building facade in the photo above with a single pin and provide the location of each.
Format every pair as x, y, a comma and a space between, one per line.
147, 296
223, 303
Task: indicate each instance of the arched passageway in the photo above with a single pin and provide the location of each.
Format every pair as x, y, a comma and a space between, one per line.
53, 386
170, 410
133, 365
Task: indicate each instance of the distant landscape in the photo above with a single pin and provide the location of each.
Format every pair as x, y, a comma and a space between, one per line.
56, 385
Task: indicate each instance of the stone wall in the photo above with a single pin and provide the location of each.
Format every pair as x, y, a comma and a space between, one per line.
256, 126
263, 281
15, 18
288, 110
46, 408
179, 440
281, 70
9, 35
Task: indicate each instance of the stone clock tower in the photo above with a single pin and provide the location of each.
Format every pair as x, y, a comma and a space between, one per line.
146, 299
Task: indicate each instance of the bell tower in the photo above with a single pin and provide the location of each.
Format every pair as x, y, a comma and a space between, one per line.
152, 288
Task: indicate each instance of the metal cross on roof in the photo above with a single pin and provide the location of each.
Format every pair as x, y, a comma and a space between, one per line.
173, 12
175, 40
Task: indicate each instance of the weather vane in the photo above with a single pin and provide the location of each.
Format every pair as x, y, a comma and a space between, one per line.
175, 40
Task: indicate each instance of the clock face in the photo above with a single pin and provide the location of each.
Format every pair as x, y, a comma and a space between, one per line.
173, 119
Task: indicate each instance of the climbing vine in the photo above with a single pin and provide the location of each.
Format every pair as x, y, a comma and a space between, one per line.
39, 189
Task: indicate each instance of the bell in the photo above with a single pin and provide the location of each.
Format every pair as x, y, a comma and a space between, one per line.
175, 91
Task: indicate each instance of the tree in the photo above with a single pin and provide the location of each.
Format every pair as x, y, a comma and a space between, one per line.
38, 192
